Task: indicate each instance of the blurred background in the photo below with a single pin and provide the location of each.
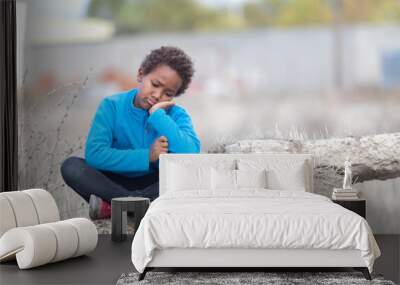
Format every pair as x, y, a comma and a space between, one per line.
264, 69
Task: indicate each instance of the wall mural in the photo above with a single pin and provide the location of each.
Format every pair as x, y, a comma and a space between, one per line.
269, 89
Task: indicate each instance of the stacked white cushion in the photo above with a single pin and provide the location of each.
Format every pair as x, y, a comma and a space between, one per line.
27, 208
45, 205
32, 246
7, 219
87, 234
31, 232
67, 237
41, 244
23, 208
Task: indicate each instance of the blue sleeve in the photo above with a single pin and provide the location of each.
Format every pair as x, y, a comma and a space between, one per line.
177, 128
99, 153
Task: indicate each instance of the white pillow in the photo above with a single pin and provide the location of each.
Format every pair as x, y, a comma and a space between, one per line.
251, 178
227, 179
282, 174
182, 177
223, 179
293, 180
193, 174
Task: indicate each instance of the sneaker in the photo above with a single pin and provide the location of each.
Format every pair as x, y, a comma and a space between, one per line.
98, 209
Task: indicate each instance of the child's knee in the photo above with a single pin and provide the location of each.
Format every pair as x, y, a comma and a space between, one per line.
71, 168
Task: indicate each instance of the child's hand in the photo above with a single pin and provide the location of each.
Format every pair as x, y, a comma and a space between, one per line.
163, 105
158, 147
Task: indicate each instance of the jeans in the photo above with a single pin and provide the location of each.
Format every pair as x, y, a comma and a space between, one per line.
86, 180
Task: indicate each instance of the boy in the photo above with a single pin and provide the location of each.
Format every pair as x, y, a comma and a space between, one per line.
129, 132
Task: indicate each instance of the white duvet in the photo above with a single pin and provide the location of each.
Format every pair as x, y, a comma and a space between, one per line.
250, 219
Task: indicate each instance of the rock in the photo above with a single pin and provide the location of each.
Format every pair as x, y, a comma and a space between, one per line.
373, 157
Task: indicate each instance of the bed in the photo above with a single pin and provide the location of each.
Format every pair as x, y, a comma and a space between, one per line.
247, 210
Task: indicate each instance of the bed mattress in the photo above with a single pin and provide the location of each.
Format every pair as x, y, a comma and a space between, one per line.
250, 219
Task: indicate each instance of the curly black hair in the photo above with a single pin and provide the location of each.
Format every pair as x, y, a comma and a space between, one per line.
175, 58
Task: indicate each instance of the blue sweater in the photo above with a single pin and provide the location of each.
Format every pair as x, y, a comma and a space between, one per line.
121, 135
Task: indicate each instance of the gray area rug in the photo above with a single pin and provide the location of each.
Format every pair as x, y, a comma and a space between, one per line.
228, 278
104, 226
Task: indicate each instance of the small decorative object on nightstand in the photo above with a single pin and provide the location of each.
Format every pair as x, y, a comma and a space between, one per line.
347, 192
358, 206
344, 194
348, 175
119, 209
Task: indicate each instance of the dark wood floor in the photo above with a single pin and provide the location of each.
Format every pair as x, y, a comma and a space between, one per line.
102, 266
111, 259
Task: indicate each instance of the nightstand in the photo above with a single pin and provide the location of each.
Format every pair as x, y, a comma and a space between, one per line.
358, 206
119, 209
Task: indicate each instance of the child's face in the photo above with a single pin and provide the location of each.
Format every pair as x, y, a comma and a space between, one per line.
160, 85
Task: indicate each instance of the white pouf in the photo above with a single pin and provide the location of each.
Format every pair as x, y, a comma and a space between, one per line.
31, 232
